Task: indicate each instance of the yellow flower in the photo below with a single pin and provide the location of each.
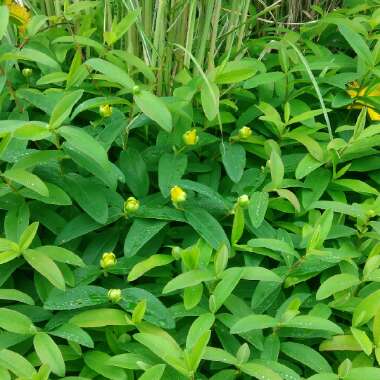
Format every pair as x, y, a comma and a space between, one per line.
177, 194
131, 205
243, 200
245, 132
114, 295
108, 260
18, 13
356, 91
190, 137
27, 72
105, 110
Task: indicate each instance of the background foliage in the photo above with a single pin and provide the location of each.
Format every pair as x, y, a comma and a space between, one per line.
226, 230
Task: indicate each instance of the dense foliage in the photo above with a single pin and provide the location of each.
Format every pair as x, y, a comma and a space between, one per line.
226, 231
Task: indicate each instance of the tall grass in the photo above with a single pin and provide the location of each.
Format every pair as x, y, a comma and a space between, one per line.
210, 30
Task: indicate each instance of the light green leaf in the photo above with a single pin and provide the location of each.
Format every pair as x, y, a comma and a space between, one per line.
253, 322
13, 321
155, 109
16, 363
210, 99
112, 72
46, 266
100, 318
257, 207
144, 266
4, 19
27, 179
187, 279
335, 284
63, 108
49, 353
61, 255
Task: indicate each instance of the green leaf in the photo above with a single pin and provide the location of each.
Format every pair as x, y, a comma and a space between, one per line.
187, 279
237, 71
27, 179
306, 356
366, 309
224, 288
136, 174
16, 363
13, 321
171, 168
276, 169
16, 295
76, 298
259, 274
264, 78
200, 325
253, 322
234, 160
46, 266
164, 348
141, 231
207, 227
155, 109
28, 236
127, 361
89, 195
307, 165
257, 207
313, 323
112, 72
61, 255
49, 353
362, 338
153, 373
357, 43
4, 19
237, 225
367, 373
260, 372
97, 361
100, 318
144, 266
82, 142
73, 333
63, 108
210, 100
335, 284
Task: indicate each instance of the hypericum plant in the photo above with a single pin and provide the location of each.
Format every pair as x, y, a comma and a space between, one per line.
227, 231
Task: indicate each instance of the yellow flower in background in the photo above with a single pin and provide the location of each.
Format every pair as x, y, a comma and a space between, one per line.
356, 91
114, 295
190, 137
245, 132
105, 110
131, 205
19, 14
177, 194
108, 260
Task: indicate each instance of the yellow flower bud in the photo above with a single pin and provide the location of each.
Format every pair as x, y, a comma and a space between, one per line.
114, 295
105, 110
177, 194
176, 252
190, 137
245, 132
243, 200
131, 205
371, 213
27, 72
108, 260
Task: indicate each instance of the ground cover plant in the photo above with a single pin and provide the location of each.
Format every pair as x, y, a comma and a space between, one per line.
217, 223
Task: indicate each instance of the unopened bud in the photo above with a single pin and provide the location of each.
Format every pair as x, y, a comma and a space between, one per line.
108, 260
114, 295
